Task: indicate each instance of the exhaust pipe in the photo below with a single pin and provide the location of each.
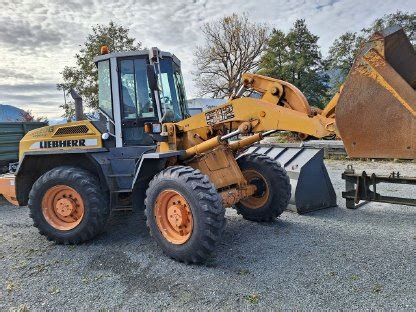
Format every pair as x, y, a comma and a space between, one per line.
79, 112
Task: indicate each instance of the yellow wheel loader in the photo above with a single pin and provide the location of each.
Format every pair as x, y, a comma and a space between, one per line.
146, 152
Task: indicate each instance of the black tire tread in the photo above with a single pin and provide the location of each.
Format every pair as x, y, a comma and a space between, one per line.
98, 203
210, 203
284, 192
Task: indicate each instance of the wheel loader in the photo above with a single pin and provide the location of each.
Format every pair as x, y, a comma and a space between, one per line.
146, 152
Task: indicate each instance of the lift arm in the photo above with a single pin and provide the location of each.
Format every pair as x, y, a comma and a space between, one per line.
278, 105
267, 115
262, 116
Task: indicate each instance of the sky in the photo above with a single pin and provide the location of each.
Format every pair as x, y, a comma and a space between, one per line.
39, 38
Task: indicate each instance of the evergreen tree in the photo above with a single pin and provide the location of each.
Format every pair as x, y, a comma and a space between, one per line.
84, 76
295, 57
344, 49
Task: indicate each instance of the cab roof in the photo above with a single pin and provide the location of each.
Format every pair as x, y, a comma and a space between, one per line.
134, 53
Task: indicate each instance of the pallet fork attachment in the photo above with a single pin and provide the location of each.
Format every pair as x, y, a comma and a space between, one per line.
363, 187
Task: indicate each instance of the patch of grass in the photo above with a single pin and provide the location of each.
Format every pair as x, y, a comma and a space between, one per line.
22, 264
67, 261
38, 268
243, 272
54, 290
354, 277
20, 308
98, 277
11, 286
377, 288
253, 298
286, 137
31, 251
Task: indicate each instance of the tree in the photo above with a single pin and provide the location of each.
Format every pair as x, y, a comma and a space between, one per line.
232, 47
295, 57
343, 51
405, 20
83, 76
341, 56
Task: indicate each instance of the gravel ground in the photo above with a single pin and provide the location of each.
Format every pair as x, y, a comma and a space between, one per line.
330, 259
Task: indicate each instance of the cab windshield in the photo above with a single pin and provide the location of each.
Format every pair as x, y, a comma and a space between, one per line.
172, 91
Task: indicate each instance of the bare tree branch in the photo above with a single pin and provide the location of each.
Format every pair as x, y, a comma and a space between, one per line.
232, 47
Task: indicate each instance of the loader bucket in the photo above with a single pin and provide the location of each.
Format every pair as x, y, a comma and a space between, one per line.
376, 110
311, 187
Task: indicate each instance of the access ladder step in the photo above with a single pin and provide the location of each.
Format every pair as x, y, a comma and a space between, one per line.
122, 208
122, 191
120, 175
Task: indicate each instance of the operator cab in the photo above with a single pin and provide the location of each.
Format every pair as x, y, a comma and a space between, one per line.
139, 87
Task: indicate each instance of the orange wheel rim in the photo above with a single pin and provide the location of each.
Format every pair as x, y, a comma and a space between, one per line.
260, 197
173, 217
63, 207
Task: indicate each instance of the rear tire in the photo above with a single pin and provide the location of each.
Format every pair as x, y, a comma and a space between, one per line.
68, 206
184, 213
273, 188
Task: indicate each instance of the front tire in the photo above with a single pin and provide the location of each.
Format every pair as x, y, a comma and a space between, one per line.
68, 206
273, 188
184, 213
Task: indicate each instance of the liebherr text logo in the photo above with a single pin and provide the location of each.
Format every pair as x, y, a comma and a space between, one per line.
64, 143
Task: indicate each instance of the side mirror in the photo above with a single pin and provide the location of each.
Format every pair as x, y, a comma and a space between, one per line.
152, 78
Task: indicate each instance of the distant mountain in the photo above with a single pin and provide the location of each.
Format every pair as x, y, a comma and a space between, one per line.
57, 121
10, 113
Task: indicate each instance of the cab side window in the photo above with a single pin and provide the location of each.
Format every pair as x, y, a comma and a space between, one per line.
137, 102
128, 89
105, 102
135, 93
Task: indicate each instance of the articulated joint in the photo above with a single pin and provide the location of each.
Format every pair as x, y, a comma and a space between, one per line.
233, 196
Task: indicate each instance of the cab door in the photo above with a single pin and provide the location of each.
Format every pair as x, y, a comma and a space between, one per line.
137, 101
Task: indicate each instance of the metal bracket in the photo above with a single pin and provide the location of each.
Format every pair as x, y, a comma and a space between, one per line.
357, 188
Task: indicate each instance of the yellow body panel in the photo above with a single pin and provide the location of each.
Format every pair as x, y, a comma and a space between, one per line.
68, 136
277, 91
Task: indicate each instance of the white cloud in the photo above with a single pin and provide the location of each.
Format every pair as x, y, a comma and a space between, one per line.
39, 38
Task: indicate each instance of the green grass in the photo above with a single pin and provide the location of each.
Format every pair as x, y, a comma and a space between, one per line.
253, 298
